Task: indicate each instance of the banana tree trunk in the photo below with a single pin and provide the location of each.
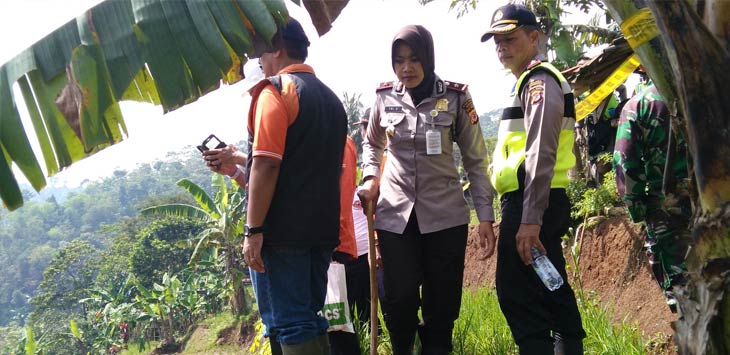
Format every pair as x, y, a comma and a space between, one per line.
652, 53
233, 269
696, 85
705, 325
170, 336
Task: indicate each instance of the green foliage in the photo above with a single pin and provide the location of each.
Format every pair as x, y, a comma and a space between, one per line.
66, 278
260, 344
481, 327
585, 5
595, 200
98, 212
10, 337
605, 338
30, 344
215, 327
355, 110
489, 122
576, 190
158, 251
224, 216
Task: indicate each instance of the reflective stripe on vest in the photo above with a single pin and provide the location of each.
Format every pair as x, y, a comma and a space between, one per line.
509, 152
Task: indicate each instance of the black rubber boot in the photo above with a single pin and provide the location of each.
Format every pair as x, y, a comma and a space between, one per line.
317, 346
433, 344
275, 346
538, 344
567, 346
402, 343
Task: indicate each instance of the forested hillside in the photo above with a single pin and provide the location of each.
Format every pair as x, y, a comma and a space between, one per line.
67, 253
94, 215
489, 122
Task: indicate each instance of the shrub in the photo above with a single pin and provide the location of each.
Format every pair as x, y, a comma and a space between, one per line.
595, 200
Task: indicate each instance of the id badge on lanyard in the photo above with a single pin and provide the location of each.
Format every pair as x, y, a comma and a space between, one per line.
433, 137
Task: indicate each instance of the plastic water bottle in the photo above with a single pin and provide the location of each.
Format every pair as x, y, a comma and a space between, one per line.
546, 270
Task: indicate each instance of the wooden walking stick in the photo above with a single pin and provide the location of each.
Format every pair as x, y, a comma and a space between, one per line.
373, 282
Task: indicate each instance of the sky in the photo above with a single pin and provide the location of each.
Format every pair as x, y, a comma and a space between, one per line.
353, 57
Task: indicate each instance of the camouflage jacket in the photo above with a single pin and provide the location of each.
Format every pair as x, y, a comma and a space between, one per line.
641, 153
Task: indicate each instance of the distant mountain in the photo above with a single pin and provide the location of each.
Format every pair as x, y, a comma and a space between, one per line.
489, 122
59, 193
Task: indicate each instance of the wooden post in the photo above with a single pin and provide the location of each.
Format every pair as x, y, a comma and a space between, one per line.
373, 282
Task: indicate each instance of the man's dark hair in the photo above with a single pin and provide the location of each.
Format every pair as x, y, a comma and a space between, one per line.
530, 28
293, 39
295, 50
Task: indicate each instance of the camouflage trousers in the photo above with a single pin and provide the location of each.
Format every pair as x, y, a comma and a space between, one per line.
667, 241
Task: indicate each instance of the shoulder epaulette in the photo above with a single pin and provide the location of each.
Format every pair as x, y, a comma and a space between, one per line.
456, 86
384, 86
533, 64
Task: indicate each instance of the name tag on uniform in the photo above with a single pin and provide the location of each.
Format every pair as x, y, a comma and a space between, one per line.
393, 109
433, 142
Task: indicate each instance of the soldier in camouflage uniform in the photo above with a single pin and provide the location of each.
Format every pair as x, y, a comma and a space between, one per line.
640, 156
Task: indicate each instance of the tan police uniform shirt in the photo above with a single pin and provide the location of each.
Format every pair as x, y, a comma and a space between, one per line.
543, 106
411, 179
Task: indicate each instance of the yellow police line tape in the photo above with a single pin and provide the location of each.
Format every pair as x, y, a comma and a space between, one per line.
637, 29
590, 103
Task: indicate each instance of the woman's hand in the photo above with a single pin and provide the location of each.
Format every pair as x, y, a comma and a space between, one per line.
486, 239
368, 194
378, 258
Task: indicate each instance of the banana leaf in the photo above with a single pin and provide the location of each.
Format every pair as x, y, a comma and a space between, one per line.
167, 52
176, 209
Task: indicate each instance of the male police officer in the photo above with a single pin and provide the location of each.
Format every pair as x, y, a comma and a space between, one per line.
530, 173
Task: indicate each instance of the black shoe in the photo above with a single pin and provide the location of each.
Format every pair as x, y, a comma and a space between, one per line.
671, 301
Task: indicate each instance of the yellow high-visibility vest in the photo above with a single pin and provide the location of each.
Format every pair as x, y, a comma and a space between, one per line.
509, 152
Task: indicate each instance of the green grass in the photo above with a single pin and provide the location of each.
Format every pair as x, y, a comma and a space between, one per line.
133, 349
203, 342
482, 329
605, 338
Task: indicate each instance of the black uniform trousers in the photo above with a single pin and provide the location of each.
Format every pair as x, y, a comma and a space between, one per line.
434, 261
531, 310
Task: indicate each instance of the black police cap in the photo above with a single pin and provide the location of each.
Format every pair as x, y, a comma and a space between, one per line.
509, 18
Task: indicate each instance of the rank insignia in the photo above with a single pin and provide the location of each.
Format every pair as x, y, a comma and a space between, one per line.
456, 86
384, 86
442, 105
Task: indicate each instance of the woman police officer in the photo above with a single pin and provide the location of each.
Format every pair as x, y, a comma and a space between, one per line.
421, 214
